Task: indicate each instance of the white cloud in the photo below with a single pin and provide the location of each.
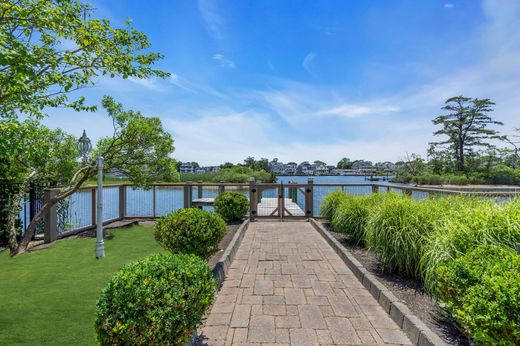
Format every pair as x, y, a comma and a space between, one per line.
308, 61
223, 61
448, 5
148, 83
357, 111
211, 17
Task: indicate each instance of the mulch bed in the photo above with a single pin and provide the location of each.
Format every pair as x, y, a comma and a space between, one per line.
411, 292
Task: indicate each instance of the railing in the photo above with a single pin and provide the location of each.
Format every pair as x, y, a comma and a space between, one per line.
78, 212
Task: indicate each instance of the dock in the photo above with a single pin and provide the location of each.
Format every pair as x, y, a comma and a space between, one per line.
266, 207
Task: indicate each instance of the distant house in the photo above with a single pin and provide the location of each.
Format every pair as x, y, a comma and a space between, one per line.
278, 168
340, 171
291, 168
321, 170
305, 168
186, 168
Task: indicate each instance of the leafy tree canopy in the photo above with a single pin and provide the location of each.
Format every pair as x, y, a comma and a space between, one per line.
49, 48
344, 163
464, 127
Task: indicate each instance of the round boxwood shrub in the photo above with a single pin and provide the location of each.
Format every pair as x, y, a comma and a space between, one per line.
190, 231
155, 301
232, 206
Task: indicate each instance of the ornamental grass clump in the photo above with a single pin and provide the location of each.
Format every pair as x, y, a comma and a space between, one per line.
232, 206
352, 214
477, 222
155, 301
331, 202
397, 233
481, 289
190, 231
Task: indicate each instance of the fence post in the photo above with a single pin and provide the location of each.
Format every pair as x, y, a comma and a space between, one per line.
32, 200
375, 189
188, 188
253, 198
221, 188
309, 191
199, 189
407, 192
388, 189
154, 201
122, 201
51, 220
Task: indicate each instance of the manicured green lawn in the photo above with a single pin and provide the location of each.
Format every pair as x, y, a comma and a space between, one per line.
49, 296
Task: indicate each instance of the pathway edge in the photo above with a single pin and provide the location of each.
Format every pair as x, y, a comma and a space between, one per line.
222, 266
414, 328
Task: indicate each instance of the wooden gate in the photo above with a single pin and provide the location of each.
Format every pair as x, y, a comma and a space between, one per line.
280, 201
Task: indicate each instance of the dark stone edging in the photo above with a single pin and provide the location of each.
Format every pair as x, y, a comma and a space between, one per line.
221, 268
418, 333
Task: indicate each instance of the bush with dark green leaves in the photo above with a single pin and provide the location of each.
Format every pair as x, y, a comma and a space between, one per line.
232, 206
482, 291
331, 202
155, 301
190, 231
471, 222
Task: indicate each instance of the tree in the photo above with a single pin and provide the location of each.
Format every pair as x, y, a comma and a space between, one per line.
227, 165
139, 147
30, 151
344, 163
319, 163
466, 126
51, 48
412, 165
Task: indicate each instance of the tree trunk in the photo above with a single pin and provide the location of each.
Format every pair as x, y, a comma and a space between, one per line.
11, 220
64, 193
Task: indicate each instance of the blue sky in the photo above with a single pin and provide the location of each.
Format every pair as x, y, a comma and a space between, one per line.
307, 80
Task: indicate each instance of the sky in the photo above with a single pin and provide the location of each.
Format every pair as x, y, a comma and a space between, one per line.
310, 80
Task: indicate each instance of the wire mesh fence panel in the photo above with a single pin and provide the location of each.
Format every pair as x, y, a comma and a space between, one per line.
293, 202
139, 202
74, 212
168, 199
110, 203
397, 190
418, 195
268, 202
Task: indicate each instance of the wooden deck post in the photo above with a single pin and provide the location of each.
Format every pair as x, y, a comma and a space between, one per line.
407, 192
309, 192
188, 188
253, 199
375, 189
199, 189
221, 188
154, 200
122, 201
51, 220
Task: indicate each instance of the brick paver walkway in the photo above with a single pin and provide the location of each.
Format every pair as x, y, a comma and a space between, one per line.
287, 286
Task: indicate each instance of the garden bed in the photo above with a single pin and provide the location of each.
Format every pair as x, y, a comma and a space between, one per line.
410, 291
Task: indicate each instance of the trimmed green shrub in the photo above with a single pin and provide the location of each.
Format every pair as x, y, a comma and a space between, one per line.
482, 291
331, 202
190, 231
155, 301
232, 206
352, 214
397, 232
474, 222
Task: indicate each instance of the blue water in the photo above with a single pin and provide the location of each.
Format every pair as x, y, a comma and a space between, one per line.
328, 179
